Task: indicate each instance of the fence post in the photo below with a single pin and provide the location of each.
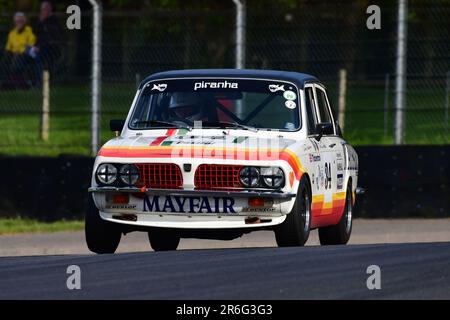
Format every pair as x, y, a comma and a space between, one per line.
240, 43
96, 75
240, 33
386, 103
342, 97
447, 97
137, 79
400, 82
45, 105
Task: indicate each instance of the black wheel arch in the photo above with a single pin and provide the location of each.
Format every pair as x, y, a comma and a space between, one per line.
308, 181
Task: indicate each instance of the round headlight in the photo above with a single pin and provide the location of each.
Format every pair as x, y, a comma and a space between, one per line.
106, 173
129, 174
249, 176
273, 177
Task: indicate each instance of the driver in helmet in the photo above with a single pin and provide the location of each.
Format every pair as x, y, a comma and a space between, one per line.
185, 106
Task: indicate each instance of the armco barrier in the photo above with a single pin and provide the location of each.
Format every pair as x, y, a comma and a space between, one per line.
44, 188
406, 181
400, 182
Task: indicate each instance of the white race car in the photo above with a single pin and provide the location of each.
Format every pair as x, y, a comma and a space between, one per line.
220, 153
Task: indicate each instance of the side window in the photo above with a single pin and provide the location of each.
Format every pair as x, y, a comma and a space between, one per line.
310, 110
322, 105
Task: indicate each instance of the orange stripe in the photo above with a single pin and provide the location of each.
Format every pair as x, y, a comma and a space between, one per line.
321, 208
211, 153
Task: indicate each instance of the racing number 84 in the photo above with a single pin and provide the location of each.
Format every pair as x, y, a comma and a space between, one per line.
327, 175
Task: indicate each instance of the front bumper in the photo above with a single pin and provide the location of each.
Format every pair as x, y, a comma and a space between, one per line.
137, 212
208, 193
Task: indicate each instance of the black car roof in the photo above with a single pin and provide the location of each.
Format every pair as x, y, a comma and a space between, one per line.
295, 77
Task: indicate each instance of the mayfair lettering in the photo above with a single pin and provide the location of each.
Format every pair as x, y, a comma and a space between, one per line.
181, 204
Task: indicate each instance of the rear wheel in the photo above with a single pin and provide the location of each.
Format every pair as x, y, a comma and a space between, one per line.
101, 236
340, 233
294, 231
163, 239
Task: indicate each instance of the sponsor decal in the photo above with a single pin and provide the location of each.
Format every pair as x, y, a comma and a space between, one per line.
340, 180
314, 158
248, 209
290, 104
160, 140
290, 95
276, 87
182, 204
121, 206
159, 87
193, 141
320, 178
339, 166
215, 85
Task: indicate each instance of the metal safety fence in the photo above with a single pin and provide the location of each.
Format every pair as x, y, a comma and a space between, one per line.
321, 38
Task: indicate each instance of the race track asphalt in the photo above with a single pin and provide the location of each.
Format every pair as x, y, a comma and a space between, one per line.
412, 270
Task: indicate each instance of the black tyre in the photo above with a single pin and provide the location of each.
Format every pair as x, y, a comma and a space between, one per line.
101, 236
294, 231
340, 233
163, 239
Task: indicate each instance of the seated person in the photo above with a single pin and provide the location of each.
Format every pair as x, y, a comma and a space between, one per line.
20, 41
185, 107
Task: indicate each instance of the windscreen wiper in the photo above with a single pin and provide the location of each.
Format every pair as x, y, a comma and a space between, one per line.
226, 124
164, 123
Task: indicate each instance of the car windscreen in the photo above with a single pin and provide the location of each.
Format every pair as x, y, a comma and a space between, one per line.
217, 103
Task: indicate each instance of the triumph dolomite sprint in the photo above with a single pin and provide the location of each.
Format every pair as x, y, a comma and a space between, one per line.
220, 153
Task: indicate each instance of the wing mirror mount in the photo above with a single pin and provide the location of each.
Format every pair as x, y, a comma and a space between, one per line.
323, 129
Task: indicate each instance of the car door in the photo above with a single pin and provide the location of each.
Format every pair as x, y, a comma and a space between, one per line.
328, 148
336, 143
314, 160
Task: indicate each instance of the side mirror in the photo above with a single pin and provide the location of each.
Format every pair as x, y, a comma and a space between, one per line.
116, 126
323, 128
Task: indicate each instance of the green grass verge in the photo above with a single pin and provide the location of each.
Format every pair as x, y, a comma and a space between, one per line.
21, 225
70, 118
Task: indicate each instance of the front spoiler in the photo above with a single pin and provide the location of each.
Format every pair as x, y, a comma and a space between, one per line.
212, 193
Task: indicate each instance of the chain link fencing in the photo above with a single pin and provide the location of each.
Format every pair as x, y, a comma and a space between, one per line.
316, 38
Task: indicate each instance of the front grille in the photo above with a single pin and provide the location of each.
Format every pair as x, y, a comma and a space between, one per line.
217, 176
159, 176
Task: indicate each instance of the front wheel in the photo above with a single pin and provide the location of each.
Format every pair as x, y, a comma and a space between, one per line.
101, 236
340, 233
163, 239
294, 231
